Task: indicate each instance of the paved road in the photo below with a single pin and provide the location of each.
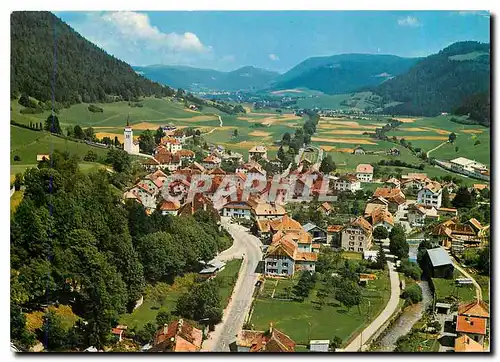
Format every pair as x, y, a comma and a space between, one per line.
359, 342
234, 315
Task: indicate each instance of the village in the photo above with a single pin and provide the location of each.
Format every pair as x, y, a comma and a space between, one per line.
402, 222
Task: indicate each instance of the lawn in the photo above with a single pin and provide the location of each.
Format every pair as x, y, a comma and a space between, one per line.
305, 321
15, 200
227, 279
484, 283
447, 289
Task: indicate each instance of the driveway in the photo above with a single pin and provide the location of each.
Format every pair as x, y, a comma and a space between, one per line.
359, 342
479, 293
248, 246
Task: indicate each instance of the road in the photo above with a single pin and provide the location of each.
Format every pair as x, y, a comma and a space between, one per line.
435, 148
359, 342
248, 246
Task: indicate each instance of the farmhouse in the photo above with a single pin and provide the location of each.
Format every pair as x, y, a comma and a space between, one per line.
178, 336
357, 235
271, 340
382, 217
171, 144
256, 153
457, 236
395, 198
169, 207
364, 172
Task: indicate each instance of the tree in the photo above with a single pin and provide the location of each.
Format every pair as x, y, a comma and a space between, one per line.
348, 293
335, 343
159, 134
91, 156
147, 142
119, 160
162, 318
202, 301
78, 132
17, 158
235, 133
413, 293
89, 134
327, 165
409, 269
445, 198
398, 245
117, 142
18, 181
381, 260
52, 124
54, 334
146, 334
18, 332
463, 199
380, 233
24, 100
452, 137
286, 138
456, 148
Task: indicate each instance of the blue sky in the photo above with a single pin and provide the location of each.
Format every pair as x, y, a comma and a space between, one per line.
272, 40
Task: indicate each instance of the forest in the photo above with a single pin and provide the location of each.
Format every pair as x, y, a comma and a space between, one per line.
74, 242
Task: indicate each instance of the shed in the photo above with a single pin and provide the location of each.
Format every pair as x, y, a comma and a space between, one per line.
319, 345
443, 308
315, 231
438, 264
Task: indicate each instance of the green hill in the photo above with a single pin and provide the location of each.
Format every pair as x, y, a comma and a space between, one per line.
440, 82
44, 50
196, 79
343, 73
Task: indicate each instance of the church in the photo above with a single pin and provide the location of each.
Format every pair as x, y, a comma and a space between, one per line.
129, 145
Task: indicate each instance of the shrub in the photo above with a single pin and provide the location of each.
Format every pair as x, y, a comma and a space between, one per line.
31, 110
17, 158
411, 270
413, 293
95, 109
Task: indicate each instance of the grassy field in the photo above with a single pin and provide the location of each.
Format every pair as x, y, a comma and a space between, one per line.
15, 200
227, 278
446, 288
305, 321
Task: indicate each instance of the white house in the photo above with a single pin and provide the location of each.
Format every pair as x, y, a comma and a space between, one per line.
364, 172
357, 235
257, 152
431, 195
418, 213
347, 183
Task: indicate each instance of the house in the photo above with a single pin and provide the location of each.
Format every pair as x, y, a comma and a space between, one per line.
168, 161
347, 183
394, 152
477, 187
264, 210
375, 203
358, 151
199, 202
357, 235
437, 263
256, 153
364, 172
272, 340
283, 257
319, 345
446, 211
325, 208
473, 327
393, 183
382, 217
118, 333
179, 135
237, 209
178, 336
395, 197
451, 187
169, 207
333, 235
42, 157
316, 232
414, 180
476, 308
457, 236
417, 214
170, 144
466, 344
210, 162
431, 195
266, 228
187, 155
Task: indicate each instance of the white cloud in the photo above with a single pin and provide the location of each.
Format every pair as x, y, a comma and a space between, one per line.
273, 57
130, 36
410, 21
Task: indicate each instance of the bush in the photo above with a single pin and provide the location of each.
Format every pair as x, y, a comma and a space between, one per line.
91, 156
31, 110
17, 158
95, 109
411, 270
413, 294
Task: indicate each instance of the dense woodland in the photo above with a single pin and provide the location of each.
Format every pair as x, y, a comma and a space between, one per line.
74, 242
440, 82
477, 107
44, 49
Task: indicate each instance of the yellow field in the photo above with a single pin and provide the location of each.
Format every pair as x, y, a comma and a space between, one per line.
413, 129
345, 131
113, 135
343, 125
471, 131
437, 130
201, 118
360, 141
259, 134
406, 120
327, 148
430, 138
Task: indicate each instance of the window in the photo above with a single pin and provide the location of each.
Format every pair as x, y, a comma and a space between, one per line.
351, 237
351, 243
351, 249
360, 249
360, 238
285, 264
360, 244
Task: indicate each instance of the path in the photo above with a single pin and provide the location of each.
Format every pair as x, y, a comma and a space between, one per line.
435, 148
220, 120
249, 247
359, 342
479, 293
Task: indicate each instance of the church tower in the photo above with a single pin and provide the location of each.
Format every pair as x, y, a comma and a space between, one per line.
128, 138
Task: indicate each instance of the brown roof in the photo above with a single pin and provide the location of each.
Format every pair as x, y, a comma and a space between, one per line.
480, 186
216, 171
300, 237
326, 206
167, 158
472, 325
185, 153
285, 223
362, 223
334, 228
306, 256
390, 194
211, 159
282, 246
466, 344
150, 161
475, 223
272, 340
178, 336
433, 186
381, 215
364, 168
477, 308
264, 208
169, 205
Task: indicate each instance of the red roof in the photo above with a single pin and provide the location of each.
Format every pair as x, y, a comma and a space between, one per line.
472, 325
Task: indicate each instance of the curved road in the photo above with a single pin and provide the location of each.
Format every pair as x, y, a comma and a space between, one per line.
248, 246
359, 342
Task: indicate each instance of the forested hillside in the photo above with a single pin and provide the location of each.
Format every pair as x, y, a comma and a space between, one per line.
477, 107
440, 82
44, 48
343, 73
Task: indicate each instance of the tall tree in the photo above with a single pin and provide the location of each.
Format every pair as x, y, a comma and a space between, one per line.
445, 198
147, 142
327, 165
159, 134
52, 124
398, 245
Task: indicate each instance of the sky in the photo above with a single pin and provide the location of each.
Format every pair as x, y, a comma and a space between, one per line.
276, 40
